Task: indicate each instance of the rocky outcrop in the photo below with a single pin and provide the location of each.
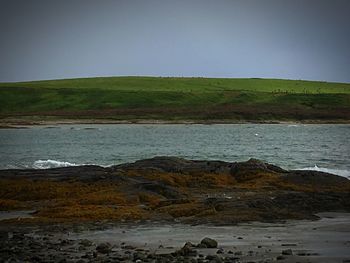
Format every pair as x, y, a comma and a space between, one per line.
177, 165
161, 189
82, 173
252, 169
171, 188
314, 178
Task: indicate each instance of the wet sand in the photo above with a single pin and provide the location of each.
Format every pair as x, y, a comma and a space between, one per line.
324, 240
4, 215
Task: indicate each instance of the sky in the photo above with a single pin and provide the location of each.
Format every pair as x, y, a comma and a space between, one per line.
290, 39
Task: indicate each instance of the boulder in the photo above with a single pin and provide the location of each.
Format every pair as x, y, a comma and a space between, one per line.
209, 242
104, 248
86, 243
187, 250
139, 256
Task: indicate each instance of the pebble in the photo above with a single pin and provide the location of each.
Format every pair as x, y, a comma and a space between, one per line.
287, 252
104, 248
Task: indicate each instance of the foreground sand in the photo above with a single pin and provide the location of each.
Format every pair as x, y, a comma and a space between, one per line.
324, 240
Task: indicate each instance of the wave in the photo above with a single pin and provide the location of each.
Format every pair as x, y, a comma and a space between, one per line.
46, 164
343, 173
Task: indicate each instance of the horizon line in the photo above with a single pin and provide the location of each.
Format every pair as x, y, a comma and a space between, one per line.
175, 77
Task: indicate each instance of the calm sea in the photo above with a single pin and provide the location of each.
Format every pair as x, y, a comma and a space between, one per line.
322, 147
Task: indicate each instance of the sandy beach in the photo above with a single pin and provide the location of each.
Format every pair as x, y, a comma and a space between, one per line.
324, 240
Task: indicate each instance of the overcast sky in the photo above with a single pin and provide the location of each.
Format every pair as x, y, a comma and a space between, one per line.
293, 39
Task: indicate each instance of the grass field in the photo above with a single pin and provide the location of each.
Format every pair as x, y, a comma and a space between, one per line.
207, 99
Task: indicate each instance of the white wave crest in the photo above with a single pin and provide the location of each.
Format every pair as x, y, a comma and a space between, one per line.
343, 173
46, 164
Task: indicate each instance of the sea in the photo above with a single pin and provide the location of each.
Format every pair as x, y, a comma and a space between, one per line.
322, 147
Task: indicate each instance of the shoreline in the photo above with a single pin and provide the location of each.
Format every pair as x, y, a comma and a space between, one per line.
24, 123
305, 241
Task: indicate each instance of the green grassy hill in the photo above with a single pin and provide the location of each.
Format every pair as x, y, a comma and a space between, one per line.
197, 99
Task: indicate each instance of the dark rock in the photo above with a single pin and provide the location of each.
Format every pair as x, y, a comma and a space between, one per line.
200, 245
104, 248
161, 189
86, 243
138, 256
35, 258
88, 173
189, 244
209, 242
65, 242
214, 258
81, 248
128, 247
314, 178
232, 259
177, 165
245, 171
289, 245
187, 250
285, 199
87, 255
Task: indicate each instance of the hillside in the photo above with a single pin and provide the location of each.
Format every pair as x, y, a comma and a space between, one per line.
176, 99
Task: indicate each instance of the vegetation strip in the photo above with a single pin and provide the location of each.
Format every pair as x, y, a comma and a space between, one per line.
176, 99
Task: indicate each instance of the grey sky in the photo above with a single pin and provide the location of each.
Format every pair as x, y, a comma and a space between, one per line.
294, 39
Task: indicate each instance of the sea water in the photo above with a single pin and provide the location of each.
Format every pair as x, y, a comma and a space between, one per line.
291, 146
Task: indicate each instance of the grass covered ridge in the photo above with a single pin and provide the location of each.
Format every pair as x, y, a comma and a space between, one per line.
135, 98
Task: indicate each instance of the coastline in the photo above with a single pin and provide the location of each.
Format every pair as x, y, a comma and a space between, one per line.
25, 123
304, 241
